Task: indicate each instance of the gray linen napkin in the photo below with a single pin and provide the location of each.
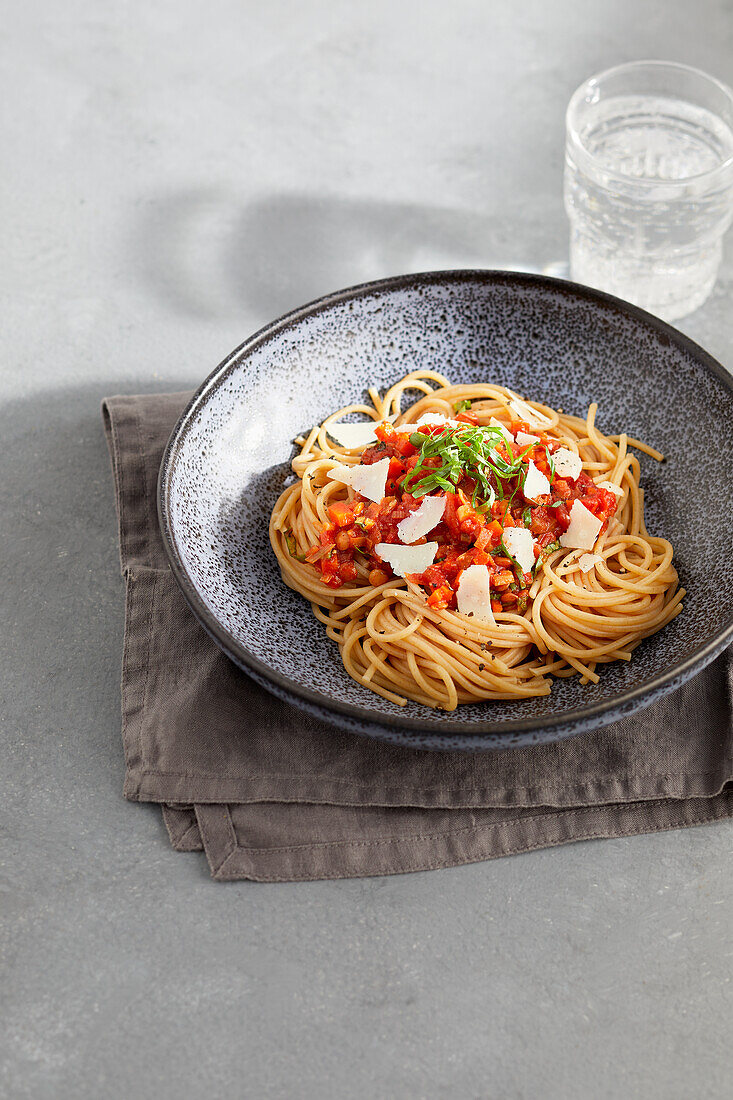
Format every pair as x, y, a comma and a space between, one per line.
272, 794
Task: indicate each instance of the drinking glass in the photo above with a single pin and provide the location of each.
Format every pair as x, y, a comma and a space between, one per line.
649, 183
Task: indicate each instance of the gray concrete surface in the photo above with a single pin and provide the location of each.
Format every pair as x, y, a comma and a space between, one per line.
174, 175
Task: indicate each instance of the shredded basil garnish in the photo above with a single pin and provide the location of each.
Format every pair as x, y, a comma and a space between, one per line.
551, 464
292, 545
469, 451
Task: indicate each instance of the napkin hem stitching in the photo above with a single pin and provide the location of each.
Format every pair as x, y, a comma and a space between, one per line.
440, 787
518, 822
599, 834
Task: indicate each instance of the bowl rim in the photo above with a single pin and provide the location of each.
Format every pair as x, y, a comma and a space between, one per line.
435, 730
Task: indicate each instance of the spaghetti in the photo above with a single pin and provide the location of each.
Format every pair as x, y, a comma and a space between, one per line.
535, 561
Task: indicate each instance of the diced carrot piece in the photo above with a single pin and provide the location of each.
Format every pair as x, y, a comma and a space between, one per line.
341, 513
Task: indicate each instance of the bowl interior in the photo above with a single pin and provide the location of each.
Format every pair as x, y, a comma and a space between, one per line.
562, 345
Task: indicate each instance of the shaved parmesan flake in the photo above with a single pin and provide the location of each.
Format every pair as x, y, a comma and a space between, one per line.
473, 594
435, 420
611, 488
353, 435
407, 559
530, 416
524, 439
583, 530
422, 520
494, 423
567, 463
370, 481
587, 561
535, 482
520, 544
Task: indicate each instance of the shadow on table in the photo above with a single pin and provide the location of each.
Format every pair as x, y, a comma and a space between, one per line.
206, 255
62, 596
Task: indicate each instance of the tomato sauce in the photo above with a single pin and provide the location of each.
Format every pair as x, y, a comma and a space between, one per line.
468, 534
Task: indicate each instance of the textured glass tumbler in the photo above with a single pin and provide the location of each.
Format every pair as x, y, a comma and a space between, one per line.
649, 183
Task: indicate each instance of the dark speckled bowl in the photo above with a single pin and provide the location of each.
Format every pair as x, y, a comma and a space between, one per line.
562, 344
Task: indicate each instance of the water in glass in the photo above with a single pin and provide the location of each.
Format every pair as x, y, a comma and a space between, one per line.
646, 217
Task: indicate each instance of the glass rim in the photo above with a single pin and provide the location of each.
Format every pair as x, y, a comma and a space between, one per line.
672, 185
